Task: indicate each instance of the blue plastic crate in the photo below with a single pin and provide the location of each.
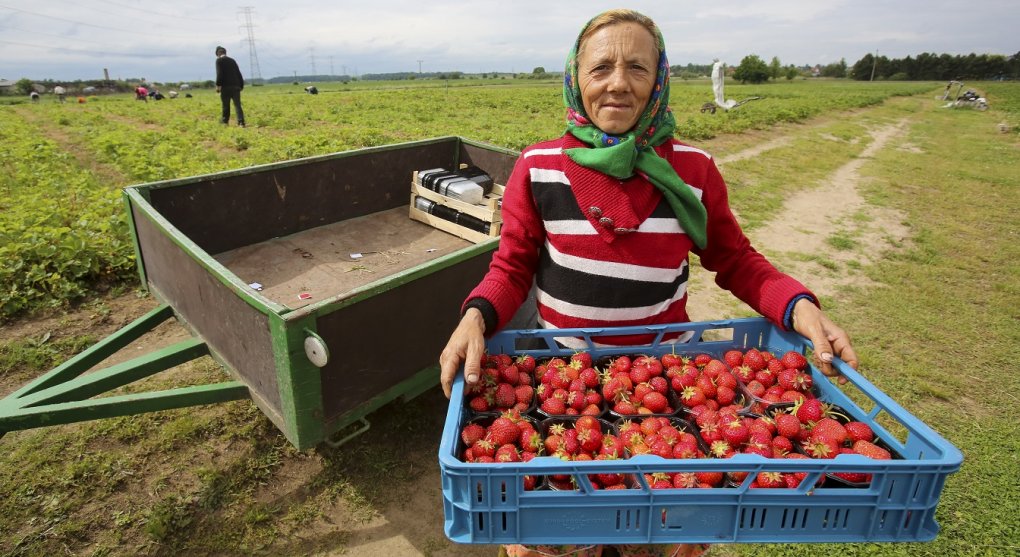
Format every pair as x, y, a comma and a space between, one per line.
486, 503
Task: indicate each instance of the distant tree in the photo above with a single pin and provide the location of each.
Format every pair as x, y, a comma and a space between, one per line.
24, 86
775, 68
836, 69
791, 72
538, 70
752, 69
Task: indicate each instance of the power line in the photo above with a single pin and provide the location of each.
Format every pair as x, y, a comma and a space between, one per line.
74, 22
256, 72
122, 54
160, 14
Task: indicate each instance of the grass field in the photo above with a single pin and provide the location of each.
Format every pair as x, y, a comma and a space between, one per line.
935, 320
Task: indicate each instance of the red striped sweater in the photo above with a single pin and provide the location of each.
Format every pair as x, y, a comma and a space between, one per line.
604, 252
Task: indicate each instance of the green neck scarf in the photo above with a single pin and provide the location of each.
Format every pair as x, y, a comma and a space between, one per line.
619, 155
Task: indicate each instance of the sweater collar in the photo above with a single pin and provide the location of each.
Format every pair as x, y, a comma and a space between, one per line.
614, 207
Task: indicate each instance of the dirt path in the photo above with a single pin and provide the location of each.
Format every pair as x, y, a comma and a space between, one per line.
413, 525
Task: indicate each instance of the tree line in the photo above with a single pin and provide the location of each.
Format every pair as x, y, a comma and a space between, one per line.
925, 67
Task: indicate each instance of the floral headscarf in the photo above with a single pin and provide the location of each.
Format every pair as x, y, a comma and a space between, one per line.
620, 155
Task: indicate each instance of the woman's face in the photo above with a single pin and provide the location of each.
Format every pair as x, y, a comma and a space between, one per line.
616, 72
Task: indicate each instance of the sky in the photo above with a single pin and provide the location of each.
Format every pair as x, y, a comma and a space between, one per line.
174, 41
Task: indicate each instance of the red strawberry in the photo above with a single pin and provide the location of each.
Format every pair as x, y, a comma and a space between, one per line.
480, 403
625, 408
590, 440
526, 363
735, 433
670, 360
831, 429
754, 360
507, 453
472, 433
505, 396
713, 368
583, 359
503, 431
770, 480
656, 402
871, 450
702, 359
733, 358
483, 447
691, 397
787, 425
525, 393
794, 360
810, 411
553, 405
857, 431
590, 377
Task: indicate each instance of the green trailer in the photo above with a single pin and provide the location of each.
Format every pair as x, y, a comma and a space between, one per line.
305, 279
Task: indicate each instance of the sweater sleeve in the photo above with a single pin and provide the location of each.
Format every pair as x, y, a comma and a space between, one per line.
512, 270
738, 266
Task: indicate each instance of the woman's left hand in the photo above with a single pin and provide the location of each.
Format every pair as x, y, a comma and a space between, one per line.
827, 338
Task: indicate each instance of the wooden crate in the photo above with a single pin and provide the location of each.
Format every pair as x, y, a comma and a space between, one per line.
488, 211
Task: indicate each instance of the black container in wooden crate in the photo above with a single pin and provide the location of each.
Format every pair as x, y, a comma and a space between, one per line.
473, 222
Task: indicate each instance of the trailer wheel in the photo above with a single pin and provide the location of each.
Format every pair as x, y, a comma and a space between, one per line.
708, 107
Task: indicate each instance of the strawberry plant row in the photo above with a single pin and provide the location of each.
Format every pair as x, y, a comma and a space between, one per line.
487, 502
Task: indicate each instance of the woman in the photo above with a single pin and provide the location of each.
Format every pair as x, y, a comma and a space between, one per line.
602, 220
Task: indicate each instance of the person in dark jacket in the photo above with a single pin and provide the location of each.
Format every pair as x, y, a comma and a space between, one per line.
229, 83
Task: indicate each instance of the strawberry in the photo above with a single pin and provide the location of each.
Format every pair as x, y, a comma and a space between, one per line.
583, 359
793, 360
530, 440
656, 402
554, 406
733, 358
702, 359
670, 360
503, 431
713, 479
713, 368
735, 433
590, 440
809, 411
483, 448
871, 450
525, 394
857, 431
770, 480
507, 453
691, 397
472, 433
589, 377
480, 403
505, 396
831, 429
787, 425
754, 360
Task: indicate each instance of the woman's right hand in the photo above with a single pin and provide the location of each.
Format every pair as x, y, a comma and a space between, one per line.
466, 344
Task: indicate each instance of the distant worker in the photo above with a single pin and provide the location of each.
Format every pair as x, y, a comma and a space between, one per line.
141, 94
157, 95
229, 83
60, 92
312, 90
172, 94
34, 96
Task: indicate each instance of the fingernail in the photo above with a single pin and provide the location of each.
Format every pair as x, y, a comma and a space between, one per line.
472, 378
826, 357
